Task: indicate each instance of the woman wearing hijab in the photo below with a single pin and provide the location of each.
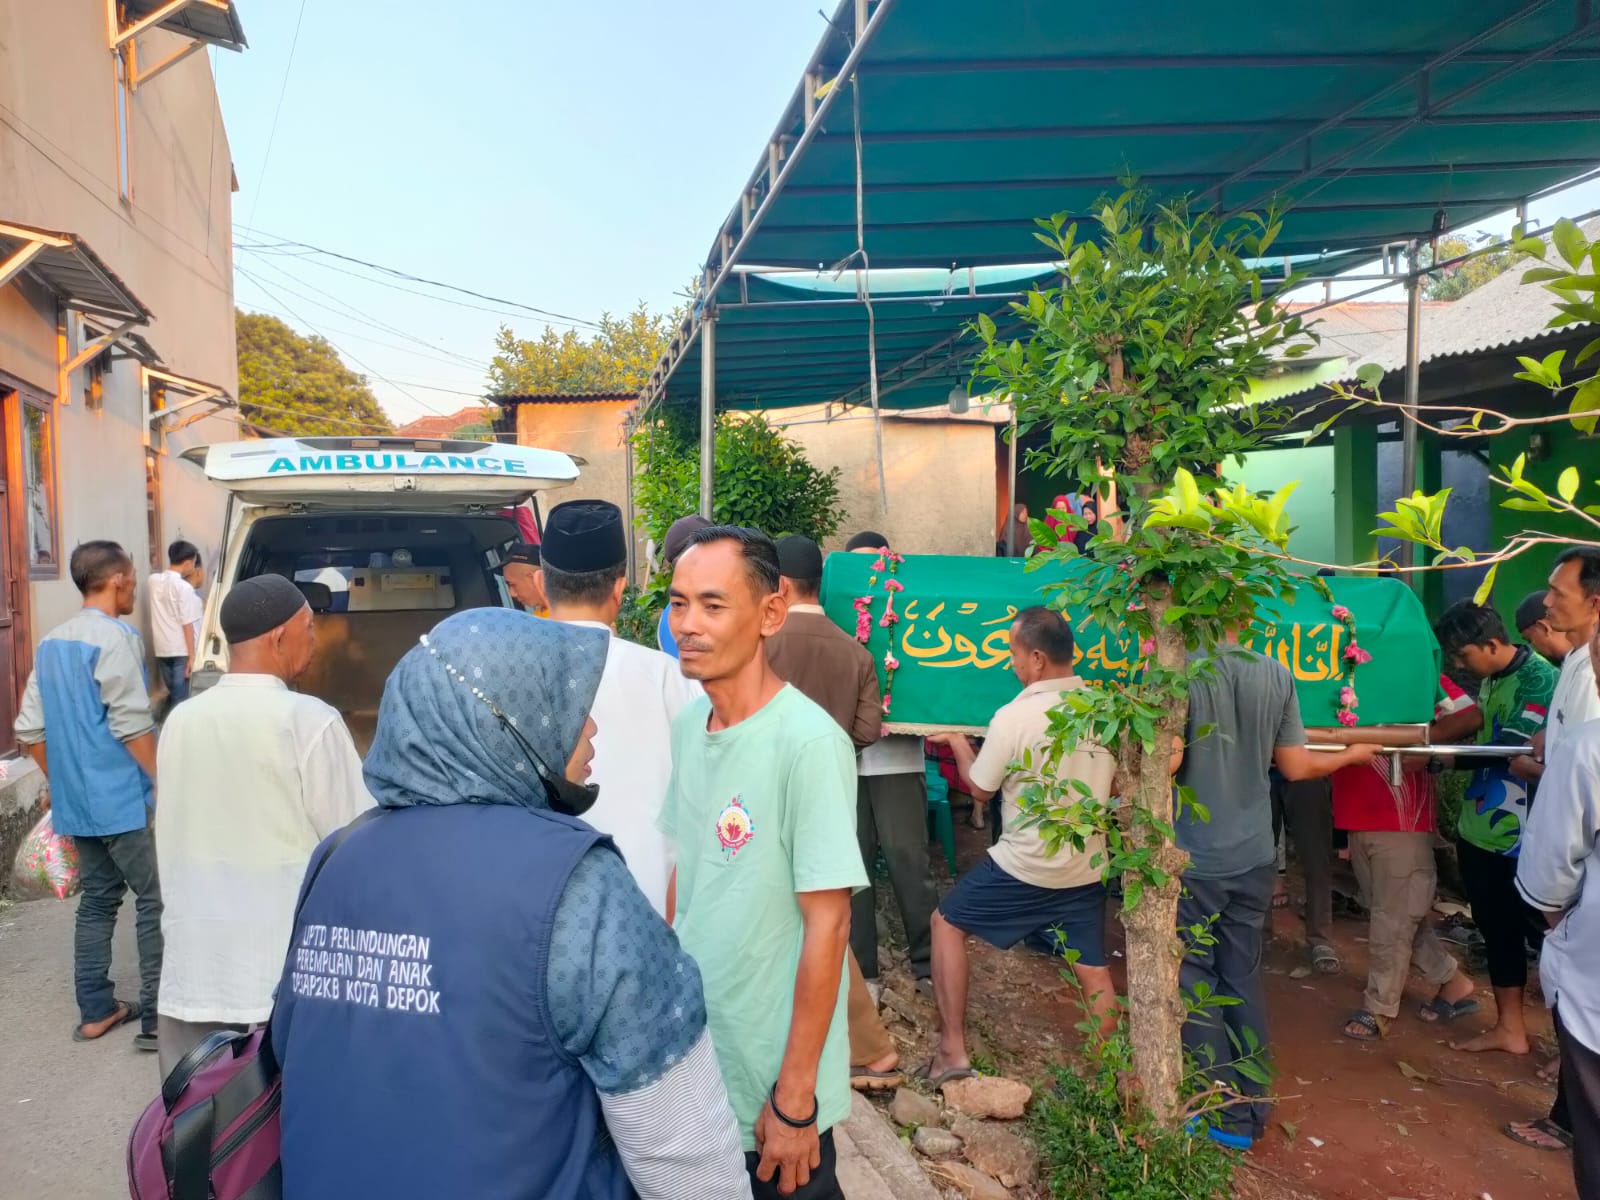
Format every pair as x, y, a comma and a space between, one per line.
478, 1001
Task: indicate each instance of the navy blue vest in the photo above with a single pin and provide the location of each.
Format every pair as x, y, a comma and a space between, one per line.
412, 1024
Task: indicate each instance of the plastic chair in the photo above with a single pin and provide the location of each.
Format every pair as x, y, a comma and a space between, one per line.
940, 824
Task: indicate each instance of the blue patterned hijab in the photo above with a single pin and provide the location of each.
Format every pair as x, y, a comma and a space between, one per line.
439, 740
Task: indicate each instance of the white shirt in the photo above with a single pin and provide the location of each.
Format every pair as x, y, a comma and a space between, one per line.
1557, 872
1574, 702
173, 605
641, 691
1022, 728
253, 777
892, 754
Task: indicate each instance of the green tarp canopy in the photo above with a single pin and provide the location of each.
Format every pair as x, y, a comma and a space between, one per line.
952, 640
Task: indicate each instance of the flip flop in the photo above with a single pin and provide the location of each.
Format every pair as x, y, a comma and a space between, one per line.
865, 1079
1545, 1126
130, 1012
1375, 1027
1440, 1011
925, 1071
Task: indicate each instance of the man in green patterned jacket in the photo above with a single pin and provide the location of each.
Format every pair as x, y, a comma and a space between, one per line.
1515, 700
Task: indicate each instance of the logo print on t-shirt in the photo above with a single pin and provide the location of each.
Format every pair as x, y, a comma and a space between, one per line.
734, 827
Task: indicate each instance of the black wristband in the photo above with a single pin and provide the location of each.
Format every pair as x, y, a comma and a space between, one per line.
772, 1099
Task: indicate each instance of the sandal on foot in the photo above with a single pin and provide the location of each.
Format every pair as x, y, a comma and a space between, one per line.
1372, 1025
124, 1012
1440, 1011
925, 1072
1325, 959
865, 1079
1528, 1133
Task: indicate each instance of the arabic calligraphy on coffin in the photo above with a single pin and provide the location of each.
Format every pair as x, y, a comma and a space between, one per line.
1313, 654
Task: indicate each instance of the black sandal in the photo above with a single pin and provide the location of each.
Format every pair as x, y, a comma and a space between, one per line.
1374, 1027
1545, 1126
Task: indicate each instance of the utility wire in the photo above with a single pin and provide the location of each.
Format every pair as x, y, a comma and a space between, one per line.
274, 296
345, 309
406, 275
313, 260
283, 89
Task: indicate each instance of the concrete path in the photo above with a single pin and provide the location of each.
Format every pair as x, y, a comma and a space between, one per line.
873, 1162
66, 1107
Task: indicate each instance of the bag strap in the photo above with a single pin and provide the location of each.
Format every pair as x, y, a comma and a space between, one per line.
187, 1155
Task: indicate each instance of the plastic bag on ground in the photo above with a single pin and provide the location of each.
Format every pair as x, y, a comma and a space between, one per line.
47, 864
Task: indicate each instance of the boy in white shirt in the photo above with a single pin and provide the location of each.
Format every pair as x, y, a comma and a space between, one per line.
175, 613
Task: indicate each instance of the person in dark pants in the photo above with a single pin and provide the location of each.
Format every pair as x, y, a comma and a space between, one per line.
85, 720
837, 673
175, 611
1558, 847
1249, 701
1307, 809
1515, 699
892, 815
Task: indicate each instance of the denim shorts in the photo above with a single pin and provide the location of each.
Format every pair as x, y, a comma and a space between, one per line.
1003, 910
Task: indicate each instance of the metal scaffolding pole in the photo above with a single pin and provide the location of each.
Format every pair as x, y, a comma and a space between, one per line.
708, 410
1408, 427
628, 513
1011, 500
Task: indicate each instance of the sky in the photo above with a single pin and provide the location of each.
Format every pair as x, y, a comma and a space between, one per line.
576, 158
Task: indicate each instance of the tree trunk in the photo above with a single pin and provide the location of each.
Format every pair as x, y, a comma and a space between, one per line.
1155, 1008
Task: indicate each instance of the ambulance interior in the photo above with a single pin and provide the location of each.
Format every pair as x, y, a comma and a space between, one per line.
377, 582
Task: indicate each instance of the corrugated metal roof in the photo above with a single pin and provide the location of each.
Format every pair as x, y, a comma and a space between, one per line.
212, 21
1501, 313
74, 273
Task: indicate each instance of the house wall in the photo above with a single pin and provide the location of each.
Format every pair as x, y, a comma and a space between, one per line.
940, 477
1531, 571
592, 430
170, 244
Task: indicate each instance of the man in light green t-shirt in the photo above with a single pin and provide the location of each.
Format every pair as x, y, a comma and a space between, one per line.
761, 809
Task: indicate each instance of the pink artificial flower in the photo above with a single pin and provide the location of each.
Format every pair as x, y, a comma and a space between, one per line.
863, 628
1347, 697
1354, 653
1341, 613
863, 603
1147, 647
893, 585
886, 704
890, 662
1346, 717
879, 564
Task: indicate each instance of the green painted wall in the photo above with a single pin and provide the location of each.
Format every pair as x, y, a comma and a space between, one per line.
1311, 508
1567, 448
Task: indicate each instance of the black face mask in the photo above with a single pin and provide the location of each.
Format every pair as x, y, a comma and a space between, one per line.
565, 797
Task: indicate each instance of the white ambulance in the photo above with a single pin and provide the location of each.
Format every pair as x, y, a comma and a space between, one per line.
385, 536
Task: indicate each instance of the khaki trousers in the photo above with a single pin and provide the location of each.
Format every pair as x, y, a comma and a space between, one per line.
869, 1040
1398, 881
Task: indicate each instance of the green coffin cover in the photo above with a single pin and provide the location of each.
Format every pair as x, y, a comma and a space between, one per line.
953, 639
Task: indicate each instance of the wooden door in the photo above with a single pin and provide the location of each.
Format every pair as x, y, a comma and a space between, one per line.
15, 647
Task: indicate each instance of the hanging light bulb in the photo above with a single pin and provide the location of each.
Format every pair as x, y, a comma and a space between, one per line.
958, 400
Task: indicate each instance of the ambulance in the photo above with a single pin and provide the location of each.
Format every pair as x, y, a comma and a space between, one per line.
385, 536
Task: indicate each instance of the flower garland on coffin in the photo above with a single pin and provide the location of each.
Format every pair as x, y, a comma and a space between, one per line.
1356, 657
887, 561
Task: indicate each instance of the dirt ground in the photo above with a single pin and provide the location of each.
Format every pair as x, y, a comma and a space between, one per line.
1403, 1119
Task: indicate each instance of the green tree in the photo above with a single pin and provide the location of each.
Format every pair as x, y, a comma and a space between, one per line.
1135, 366
762, 479
300, 385
1452, 283
618, 357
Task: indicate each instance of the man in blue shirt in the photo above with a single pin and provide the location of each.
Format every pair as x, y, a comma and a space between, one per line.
673, 545
86, 722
